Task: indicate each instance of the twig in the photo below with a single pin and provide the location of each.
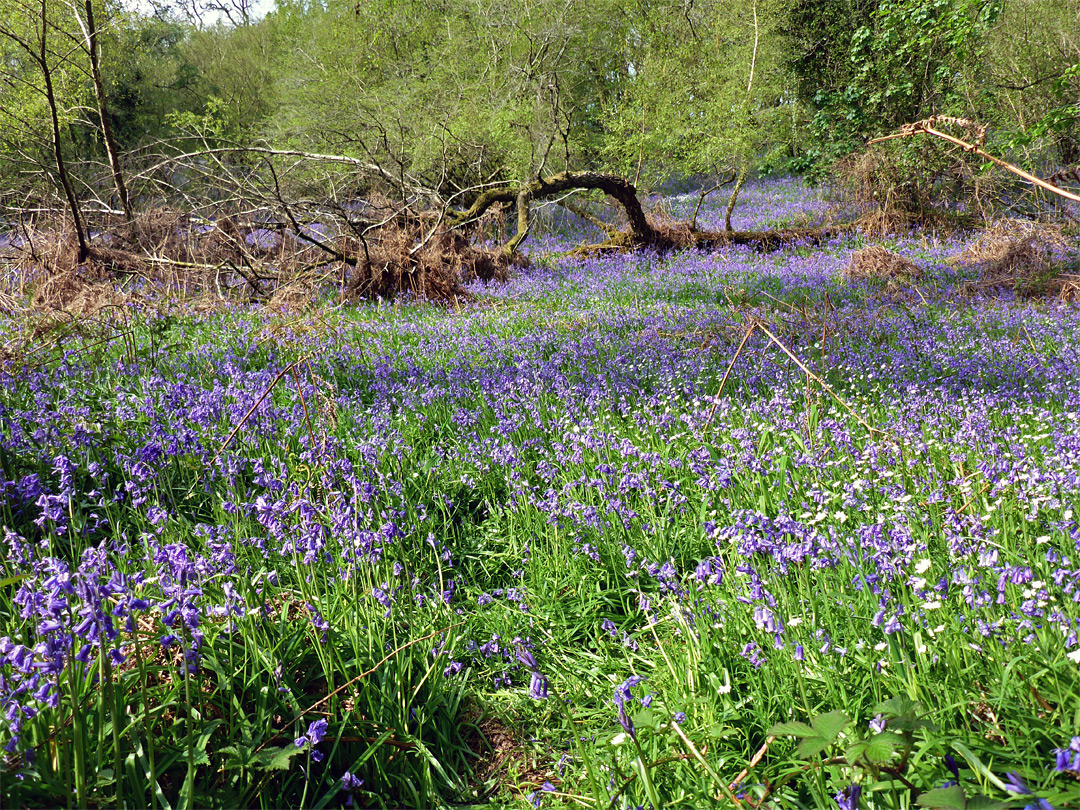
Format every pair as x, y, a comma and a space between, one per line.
303, 401
872, 430
265, 394
364, 674
630, 780
754, 760
698, 756
926, 127
716, 400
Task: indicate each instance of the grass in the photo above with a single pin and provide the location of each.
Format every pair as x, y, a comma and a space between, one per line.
523, 553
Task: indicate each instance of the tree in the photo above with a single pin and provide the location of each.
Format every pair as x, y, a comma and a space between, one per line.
36, 74
467, 98
88, 26
458, 93
864, 67
703, 92
1032, 69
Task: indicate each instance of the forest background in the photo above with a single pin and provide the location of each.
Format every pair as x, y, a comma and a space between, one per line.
435, 102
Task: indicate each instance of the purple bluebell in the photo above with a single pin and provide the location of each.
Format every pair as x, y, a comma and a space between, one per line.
848, 798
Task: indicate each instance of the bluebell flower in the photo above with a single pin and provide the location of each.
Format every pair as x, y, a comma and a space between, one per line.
525, 657
1015, 784
538, 687
350, 782
1067, 760
314, 735
622, 691
625, 721
848, 798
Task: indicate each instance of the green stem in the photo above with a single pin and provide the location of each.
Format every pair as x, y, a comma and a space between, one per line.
307, 779
629, 781
110, 697
643, 770
78, 750
593, 780
187, 801
145, 711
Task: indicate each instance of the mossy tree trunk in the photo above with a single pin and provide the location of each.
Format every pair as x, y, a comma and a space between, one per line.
641, 233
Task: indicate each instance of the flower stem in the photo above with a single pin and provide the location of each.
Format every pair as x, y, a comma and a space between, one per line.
643, 770
78, 750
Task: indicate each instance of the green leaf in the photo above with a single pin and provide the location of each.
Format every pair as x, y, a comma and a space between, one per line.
899, 706
206, 733
895, 740
645, 719
812, 746
104, 777
792, 729
977, 765
718, 731
980, 802
879, 750
278, 759
904, 714
950, 798
237, 756
855, 752
830, 725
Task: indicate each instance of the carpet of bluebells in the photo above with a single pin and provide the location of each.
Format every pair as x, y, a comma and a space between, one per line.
562, 545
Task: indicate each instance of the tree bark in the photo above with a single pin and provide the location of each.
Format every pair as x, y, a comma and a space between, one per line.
93, 48
712, 240
642, 233
42, 59
732, 199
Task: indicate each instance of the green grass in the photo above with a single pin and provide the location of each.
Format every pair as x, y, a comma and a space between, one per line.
532, 508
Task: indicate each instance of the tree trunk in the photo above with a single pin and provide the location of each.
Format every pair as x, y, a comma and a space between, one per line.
61, 168
732, 199
93, 48
642, 233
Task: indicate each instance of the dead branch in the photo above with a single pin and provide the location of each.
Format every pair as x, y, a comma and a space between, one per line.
928, 127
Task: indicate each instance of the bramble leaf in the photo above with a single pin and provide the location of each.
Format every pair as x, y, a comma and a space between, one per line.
904, 714
830, 725
855, 752
792, 729
811, 746
950, 798
880, 748
278, 759
899, 706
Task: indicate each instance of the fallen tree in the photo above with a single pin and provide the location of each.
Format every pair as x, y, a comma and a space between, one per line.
640, 232
243, 220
